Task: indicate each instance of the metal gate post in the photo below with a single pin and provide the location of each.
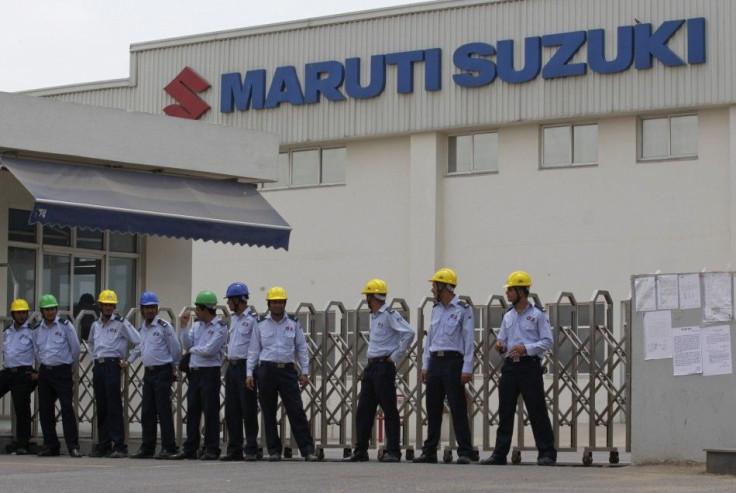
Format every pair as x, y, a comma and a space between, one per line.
490, 373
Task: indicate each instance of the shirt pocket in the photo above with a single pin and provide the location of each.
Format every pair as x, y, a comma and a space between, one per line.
58, 337
268, 333
451, 323
290, 334
244, 331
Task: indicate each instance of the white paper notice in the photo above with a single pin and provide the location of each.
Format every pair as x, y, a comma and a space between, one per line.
658, 335
687, 358
718, 299
716, 343
667, 298
689, 286
644, 292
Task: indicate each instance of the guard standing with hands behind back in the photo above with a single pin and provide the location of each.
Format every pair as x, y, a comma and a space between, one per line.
447, 365
524, 337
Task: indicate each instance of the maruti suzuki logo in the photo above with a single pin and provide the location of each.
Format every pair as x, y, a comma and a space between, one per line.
184, 89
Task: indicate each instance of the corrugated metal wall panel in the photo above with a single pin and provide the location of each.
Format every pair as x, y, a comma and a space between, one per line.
453, 107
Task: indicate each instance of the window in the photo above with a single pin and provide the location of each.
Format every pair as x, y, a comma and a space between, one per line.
669, 137
310, 167
569, 145
73, 264
473, 153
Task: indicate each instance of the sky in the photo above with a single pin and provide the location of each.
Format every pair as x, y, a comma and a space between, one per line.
49, 43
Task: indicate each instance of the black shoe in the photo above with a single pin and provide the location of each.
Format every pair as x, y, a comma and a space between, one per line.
184, 455
118, 454
210, 455
546, 461
75, 453
357, 456
462, 459
232, 456
251, 457
425, 459
311, 458
142, 454
494, 460
98, 452
21, 451
391, 458
166, 454
48, 452
274, 457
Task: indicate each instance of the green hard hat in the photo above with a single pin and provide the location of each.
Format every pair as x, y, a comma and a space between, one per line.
48, 301
206, 298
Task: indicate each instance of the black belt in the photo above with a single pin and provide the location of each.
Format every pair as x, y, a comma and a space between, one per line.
64, 366
273, 364
16, 369
102, 361
446, 354
202, 368
378, 359
236, 362
158, 367
523, 359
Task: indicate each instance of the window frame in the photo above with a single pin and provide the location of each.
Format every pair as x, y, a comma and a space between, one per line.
571, 127
472, 170
290, 179
668, 116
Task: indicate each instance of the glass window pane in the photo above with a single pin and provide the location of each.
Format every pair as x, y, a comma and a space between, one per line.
18, 227
55, 235
56, 278
556, 150
655, 139
485, 152
283, 180
121, 279
684, 135
305, 167
89, 239
87, 283
123, 242
334, 162
22, 262
460, 154
585, 144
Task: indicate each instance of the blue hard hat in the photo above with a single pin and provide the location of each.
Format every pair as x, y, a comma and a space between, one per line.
149, 298
237, 289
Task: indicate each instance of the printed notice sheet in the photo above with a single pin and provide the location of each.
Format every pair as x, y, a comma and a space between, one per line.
667, 298
689, 287
716, 341
644, 292
718, 300
687, 358
658, 335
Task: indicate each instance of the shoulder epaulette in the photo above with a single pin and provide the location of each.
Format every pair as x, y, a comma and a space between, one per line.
462, 303
390, 311
261, 318
293, 317
222, 322
163, 323
435, 303
65, 321
6, 328
32, 327
37, 324
117, 318
510, 307
540, 308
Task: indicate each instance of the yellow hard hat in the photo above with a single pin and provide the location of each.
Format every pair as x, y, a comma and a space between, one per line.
375, 286
276, 293
19, 305
108, 296
518, 278
446, 276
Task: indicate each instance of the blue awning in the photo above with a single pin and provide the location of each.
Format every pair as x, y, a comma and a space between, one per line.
127, 201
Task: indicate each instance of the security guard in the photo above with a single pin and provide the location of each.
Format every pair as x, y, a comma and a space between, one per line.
524, 337
58, 349
447, 365
18, 375
160, 350
275, 343
205, 340
107, 343
241, 403
389, 339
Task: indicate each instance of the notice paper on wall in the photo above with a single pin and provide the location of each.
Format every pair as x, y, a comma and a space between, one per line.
718, 305
716, 342
658, 335
667, 298
687, 357
689, 287
645, 294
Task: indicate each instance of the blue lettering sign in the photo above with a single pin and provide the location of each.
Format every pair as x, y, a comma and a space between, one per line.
558, 65
314, 83
377, 80
242, 95
478, 71
597, 51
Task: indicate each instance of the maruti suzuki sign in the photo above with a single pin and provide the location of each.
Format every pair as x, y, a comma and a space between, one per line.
474, 65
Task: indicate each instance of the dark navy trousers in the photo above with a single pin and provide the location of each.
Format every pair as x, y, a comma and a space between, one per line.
203, 398
272, 381
56, 382
241, 409
378, 387
523, 377
156, 405
106, 377
18, 382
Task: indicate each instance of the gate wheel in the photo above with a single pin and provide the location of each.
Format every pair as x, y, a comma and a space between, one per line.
410, 454
447, 456
516, 457
587, 458
287, 452
613, 457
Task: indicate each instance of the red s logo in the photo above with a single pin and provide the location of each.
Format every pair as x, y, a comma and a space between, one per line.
184, 89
